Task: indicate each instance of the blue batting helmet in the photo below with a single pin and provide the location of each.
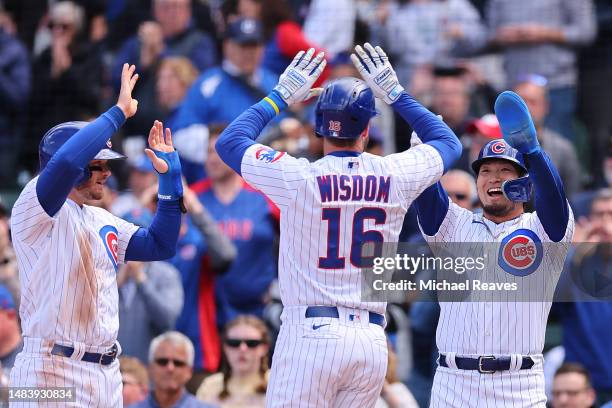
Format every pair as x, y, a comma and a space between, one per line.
344, 109
58, 135
515, 190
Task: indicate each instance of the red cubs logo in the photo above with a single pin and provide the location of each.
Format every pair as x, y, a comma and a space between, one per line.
335, 126
268, 155
520, 253
110, 238
498, 147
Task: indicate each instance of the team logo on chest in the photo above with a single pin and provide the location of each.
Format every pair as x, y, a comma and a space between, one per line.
520, 253
110, 239
268, 155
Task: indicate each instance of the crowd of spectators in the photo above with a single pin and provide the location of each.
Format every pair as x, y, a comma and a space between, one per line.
199, 329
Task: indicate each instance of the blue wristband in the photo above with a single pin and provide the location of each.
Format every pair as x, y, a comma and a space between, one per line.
170, 183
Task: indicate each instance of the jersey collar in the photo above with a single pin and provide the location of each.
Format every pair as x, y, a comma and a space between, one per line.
344, 153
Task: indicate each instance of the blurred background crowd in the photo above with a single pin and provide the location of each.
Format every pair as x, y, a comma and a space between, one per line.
205, 321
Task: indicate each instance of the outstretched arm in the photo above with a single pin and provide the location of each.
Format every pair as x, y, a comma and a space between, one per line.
375, 68
519, 131
294, 86
65, 169
158, 242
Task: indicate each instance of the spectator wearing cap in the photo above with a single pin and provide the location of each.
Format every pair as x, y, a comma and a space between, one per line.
222, 93
283, 36
170, 33
533, 90
15, 80
572, 387
135, 380
11, 342
171, 355
150, 297
542, 37
140, 178
478, 133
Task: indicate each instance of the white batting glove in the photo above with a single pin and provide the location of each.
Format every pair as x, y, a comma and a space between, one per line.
378, 73
295, 83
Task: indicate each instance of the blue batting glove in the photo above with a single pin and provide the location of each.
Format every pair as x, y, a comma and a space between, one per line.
170, 184
516, 123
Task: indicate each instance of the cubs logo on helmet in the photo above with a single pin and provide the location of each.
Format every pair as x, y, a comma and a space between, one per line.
520, 253
110, 239
268, 155
498, 147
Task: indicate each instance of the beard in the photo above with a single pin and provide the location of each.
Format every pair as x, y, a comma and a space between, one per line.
497, 210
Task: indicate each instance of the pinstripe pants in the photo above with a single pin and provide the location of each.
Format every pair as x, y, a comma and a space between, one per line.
453, 388
327, 362
94, 385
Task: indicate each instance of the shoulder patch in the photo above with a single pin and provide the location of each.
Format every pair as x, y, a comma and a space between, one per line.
520, 253
268, 155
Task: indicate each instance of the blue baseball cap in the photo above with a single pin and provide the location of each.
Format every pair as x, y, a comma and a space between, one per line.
245, 31
6, 299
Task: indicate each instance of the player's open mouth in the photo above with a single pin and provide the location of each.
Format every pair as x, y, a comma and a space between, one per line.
494, 192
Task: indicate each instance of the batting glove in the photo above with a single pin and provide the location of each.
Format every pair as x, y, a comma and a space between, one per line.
374, 66
295, 83
516, 123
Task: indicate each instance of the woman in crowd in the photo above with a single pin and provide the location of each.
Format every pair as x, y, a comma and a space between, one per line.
244, 371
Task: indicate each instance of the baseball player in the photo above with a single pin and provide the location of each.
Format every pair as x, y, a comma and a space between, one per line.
331, 350
68, 254
491, 351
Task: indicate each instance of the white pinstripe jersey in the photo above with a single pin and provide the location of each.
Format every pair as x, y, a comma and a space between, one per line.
67, 269
499, 327
331, 204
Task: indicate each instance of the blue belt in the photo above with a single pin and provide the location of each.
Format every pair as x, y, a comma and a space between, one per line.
332, 311
104, 359
486, 364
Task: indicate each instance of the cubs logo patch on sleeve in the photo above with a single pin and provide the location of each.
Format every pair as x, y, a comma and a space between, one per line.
268, 155
520, 253
110, 239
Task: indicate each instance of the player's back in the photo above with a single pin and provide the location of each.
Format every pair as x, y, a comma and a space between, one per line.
345, 201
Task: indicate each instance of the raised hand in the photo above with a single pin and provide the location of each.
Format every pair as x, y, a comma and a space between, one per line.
295, 83
375, 68
159, 143
125, 102
515, 122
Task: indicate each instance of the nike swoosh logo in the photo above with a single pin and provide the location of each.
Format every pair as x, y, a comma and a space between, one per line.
315, 327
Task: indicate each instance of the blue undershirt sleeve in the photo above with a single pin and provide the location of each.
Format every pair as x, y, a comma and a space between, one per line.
68, 163
430, 129
158, 242
242, 132
550, 201
432, 206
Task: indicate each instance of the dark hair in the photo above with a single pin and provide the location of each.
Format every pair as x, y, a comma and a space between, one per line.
259, 325
273, 13
568, 368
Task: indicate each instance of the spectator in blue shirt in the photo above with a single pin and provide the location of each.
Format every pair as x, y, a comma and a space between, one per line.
222, 93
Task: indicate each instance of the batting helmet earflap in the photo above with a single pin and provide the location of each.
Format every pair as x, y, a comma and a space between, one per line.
58, 135
344, 109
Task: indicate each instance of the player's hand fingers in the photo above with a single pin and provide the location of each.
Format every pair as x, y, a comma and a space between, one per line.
307, 58
373, 54
313, 92
297, 59
320, 69
315, 62
365, 58
169, 140
382, 54
151, 139
133, 80
357, 63
159, 165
